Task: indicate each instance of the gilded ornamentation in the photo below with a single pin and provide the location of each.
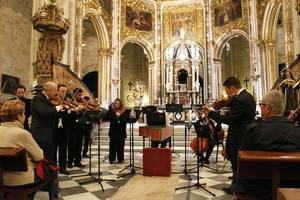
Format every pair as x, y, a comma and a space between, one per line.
240, 23
91, 4
149, 36
49, 21
172, 20
298, 7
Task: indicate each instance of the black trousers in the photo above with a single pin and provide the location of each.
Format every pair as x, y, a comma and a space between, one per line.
87, 137
163, 144
75, 144
116, 148
61, 143
48, 149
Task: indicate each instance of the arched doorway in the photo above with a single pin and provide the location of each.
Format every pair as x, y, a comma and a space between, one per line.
134, 66
91, 81
89, 59
235, 61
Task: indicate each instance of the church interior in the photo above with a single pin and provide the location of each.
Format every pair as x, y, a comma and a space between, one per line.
173, 56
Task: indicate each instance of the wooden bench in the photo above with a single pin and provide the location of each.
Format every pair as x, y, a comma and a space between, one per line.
288, 193
262, 165
15, 159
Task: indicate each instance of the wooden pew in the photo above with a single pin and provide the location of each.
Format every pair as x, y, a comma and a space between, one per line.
277, 166
15, 159
288, 193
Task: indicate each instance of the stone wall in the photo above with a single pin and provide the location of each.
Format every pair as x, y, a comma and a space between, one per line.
15, 39
89, 60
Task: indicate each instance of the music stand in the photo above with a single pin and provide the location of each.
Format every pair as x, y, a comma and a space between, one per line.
203, 130
131, 117
198, 184
174, 108
95, 117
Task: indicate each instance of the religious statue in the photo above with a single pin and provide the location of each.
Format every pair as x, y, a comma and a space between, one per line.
286, 87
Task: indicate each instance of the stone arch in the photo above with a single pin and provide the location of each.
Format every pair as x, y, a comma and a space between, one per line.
142, 42
100, 22
89, 68
223, 39
268, 36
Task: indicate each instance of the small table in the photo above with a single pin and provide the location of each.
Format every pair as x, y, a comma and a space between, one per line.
156, 133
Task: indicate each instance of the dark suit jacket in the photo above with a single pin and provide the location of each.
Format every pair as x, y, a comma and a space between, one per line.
43, 118
273, 134
27, 111
242, 113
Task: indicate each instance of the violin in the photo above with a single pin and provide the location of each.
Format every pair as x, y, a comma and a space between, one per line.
223, 102
56, 101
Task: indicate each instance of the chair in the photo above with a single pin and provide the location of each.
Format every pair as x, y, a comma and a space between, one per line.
15, 159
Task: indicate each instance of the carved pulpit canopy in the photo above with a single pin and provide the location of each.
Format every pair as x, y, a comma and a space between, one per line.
48, 19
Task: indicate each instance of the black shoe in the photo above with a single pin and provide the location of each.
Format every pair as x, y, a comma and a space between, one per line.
85, 155
230, 177
120, 161
111, 162
80, 165
206, 161
227, 190
69, 165
64, 171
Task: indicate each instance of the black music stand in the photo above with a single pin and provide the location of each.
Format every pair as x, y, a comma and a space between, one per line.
198, 184
95, 117
202, 130
177, 109
131, 117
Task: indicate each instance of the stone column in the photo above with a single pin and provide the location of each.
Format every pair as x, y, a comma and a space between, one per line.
218, 68
104, 75
116, 52
270, 66
255, 57
157, 78
209, 81
151, 75
78, 37
288, 30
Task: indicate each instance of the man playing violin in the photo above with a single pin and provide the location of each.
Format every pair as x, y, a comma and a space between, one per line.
61, 136
75, 142
43, 114
242, 113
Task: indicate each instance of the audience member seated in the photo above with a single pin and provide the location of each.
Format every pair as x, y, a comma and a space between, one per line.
274, 133
13, 134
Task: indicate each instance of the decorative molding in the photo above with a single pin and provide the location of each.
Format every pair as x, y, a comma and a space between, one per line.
240, 23
128, 31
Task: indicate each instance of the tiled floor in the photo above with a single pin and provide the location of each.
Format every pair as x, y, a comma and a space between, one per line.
73, 189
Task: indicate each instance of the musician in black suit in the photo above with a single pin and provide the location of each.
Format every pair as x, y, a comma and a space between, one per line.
76, 134
242, 113
44, 114
62, 132
20, 95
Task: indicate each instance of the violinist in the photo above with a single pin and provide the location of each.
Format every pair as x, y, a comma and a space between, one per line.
44, 114
76, 134
20, 95
61, 136
242, 113
87, 125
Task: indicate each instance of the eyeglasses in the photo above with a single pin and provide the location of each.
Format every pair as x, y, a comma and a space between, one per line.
264, 104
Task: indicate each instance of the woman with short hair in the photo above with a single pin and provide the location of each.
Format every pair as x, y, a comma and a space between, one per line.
13, 134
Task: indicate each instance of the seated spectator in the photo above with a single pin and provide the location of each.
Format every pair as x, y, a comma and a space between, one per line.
13, 134
274, 133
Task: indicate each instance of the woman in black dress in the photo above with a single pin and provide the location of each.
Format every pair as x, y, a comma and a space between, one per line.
117, 131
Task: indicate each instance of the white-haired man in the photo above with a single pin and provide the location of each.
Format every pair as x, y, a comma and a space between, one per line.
43, 114
275, 133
